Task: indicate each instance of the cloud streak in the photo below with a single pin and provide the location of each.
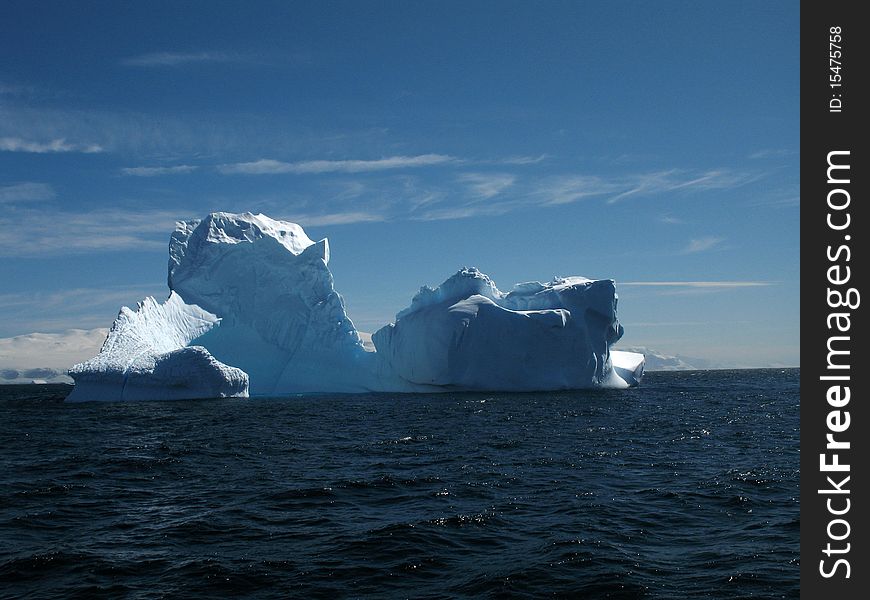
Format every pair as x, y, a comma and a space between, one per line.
27, 191
17, 144
338, 218
568, 189
157, 171
150, 138
268, 166
487, 185
771, 153
698, 284
481, 194
27, 232
676, 180
179, 59
683, 288
58, 310
702, 244
524, 160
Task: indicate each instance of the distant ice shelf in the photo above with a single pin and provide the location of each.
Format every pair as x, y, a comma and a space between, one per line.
253, 310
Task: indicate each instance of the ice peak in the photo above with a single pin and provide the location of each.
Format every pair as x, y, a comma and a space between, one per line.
231, 228
220, 231
468, 281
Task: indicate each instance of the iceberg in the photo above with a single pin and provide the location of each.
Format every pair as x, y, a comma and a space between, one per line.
468, 335
147, 355
253, 310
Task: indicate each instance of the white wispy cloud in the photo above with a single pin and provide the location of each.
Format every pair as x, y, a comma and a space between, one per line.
445, 213
407, 193
28, 232
27, 191
268, 166
346, 189
264, 166
156, 171
678, 180
659, 324
715, 179
647, 183
162, 139
771, 153
702, 244
698, 284
524, 160
571, 188
177, 59
77, 299
487, 185
338, 218
415, 197
683, 288
671, 220
784, 197
17, 144
566, 189
68, 308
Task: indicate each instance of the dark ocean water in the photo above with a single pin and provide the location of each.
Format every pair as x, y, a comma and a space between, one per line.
686, 487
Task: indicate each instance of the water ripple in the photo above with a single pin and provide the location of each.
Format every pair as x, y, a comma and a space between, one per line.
684, 487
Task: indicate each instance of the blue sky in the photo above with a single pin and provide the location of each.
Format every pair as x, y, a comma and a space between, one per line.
655, 143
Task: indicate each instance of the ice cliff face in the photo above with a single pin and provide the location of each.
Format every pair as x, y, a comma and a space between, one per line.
257, 294
282, 322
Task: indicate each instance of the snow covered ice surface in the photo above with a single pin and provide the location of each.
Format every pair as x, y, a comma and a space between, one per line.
257, 294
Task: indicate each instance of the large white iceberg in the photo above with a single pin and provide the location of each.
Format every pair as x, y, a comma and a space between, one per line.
257, 294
